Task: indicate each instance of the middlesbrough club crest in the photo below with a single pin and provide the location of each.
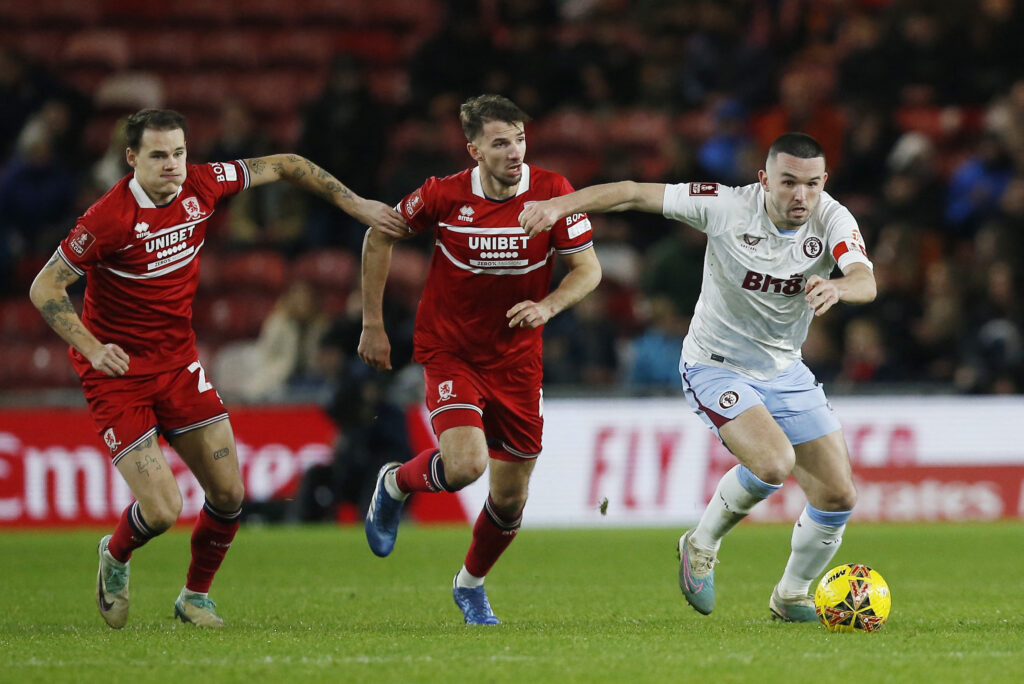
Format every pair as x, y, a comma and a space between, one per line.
191, 205
444, 391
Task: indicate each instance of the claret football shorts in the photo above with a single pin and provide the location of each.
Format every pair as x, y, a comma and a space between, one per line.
128, 410
794, 399
509, 409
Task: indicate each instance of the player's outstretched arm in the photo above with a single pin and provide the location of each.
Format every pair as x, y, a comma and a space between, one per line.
304, 174
856, 286
607, 197
374, 346
49, 292
583, 276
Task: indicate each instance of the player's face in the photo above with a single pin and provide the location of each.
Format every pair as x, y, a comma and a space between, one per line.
499, 150
792, 189
159, 163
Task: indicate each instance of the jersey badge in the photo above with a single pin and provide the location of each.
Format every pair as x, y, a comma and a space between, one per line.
444, 391
703, 189
728, 399
812, 247
110, 440
466, 213
81, 240
412, 205
141, 230
751, 240
192, 208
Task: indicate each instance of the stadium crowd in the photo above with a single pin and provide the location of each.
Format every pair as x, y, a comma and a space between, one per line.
919, 106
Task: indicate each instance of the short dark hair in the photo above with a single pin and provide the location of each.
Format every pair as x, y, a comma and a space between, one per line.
476, 111
798, 145
155, 119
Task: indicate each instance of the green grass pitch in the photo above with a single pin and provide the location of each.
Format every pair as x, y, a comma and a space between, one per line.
313, 604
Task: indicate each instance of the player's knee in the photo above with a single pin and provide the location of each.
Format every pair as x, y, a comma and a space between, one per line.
161, 511
776, 469
510, 501
464, 469
842, 498
227, 497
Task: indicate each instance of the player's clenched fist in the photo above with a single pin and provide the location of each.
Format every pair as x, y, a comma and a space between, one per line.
536, 217
375, 347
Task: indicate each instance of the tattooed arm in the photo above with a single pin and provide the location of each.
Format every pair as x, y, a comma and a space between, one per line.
49, 292
304, 174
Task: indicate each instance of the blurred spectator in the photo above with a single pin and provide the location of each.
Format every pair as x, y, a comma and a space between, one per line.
728, 154
977, 185
37, 191
287, 350
344, 131
270, 215
674, 268
865, 358
113, 165
580, 345
654, 354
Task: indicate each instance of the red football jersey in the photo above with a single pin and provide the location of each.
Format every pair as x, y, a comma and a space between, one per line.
483, 264
143, 267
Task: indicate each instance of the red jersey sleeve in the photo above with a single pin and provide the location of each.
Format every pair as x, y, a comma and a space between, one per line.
418, 207
90, 241
573, 233
220, 179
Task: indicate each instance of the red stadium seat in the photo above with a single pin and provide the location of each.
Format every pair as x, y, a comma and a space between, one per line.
336, 12
408, 274
28, 366
199, 13
273, 13
20, 321
570, 130
327, 268
262, 270
163, 49
107, 48
200, 90
639, 128
299, 48
234, 49
230, 317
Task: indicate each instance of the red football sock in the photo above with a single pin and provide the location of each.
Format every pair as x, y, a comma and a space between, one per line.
211, 539
131, 533
492, 534
425, 473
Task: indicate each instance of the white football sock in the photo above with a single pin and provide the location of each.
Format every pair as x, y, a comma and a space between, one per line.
465, 580
736, 495
391, 486
814, 545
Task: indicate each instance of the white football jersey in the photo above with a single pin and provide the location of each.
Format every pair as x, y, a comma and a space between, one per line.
751, 316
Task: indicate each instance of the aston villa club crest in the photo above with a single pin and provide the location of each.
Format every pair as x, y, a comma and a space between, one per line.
192, 208
812, 247
728, 399
444, 391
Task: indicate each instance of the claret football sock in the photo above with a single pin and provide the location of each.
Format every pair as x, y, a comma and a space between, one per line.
492, 533
211, 539
737, 493
424, 473
131, 533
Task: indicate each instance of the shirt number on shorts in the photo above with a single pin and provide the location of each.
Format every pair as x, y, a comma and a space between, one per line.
203, 384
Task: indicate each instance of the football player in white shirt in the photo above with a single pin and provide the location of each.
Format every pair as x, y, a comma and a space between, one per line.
771, 248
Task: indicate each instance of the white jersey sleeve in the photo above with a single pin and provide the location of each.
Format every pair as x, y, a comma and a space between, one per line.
842, 236
705, 206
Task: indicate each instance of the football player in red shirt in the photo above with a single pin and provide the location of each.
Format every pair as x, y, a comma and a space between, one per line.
134, 347
478, 334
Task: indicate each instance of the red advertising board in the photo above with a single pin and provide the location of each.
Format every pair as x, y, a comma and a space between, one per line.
54, 469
